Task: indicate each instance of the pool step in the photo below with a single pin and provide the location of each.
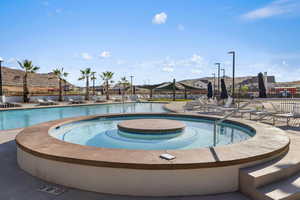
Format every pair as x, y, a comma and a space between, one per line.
254, 179
287, 189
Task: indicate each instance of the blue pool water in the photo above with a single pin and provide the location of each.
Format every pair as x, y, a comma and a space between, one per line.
22, 118
103, 132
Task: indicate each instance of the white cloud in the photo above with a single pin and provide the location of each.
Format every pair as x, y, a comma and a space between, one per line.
277, 7
58, 10
168, 69
45, 3
284, 62
105, 54
86, 56
160, 18
197, 59
196, 71
180, 27
11, 60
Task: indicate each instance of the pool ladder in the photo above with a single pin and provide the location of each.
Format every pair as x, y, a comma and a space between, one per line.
219, 121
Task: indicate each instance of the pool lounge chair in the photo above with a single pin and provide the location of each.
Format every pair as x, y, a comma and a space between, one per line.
42, 102
51, 102
100, 99
75, 101
270, 110
294, 114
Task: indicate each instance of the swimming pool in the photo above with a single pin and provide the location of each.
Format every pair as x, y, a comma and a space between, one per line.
104, 132
23, 118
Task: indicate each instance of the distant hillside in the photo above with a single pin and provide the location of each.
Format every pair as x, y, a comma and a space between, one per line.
12, 80
246, 80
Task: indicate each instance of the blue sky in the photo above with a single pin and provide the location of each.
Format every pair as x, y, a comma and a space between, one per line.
153, 40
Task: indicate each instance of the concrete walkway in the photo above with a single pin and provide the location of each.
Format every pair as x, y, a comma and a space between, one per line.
15, 184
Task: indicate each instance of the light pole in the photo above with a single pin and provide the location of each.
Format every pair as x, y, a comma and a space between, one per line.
233, 72
218, 65
131, 89
214, 74
223, 73
1, 91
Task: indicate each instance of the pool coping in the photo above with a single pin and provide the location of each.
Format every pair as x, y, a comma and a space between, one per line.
268, 142
76, 105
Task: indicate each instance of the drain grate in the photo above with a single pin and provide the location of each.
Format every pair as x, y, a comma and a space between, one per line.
50, 189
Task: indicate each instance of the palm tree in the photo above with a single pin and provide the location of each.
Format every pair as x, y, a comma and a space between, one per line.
61, 74
106, 77
28, 68
124, 82
93, 78
85, 74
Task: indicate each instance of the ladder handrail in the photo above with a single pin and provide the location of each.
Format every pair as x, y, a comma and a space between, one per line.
231, 113
226, 117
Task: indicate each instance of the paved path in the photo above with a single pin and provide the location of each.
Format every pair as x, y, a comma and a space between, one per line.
15, 184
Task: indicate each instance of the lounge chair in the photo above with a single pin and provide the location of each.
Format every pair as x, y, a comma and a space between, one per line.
51, 102
294, 114
269, 110
75, 101
100, 99
42, 102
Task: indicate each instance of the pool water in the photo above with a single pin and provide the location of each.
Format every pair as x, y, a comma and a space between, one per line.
103, 132
22, 118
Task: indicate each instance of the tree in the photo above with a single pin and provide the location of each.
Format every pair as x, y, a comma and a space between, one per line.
125, 83
28, 68
61, 75
85, 75
106, 77
93, 78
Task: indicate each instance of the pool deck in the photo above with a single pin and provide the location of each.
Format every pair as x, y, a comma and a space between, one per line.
18, 185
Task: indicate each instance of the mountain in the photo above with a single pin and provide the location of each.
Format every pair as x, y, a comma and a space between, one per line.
12, 81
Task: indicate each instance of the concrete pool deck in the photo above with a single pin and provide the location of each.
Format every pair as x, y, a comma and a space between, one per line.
16, 184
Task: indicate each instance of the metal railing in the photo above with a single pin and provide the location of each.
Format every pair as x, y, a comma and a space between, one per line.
219, 121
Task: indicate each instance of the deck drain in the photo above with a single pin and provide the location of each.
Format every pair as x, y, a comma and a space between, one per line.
50, 189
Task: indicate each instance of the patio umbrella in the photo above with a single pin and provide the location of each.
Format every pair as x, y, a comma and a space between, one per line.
261, 86
209, 90
224, 94
133, 90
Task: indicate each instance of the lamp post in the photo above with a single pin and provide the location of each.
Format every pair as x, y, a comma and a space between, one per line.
233, 72
223, 73
131, 88
218, 65
1, 91
214, 74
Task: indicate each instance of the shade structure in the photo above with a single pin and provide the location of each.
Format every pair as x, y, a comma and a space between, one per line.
224, 94
261, 86
150, 88
209, 90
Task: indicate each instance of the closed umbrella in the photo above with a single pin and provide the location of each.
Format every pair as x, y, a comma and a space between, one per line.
224, 94
134, 90
261, 86
209, 90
